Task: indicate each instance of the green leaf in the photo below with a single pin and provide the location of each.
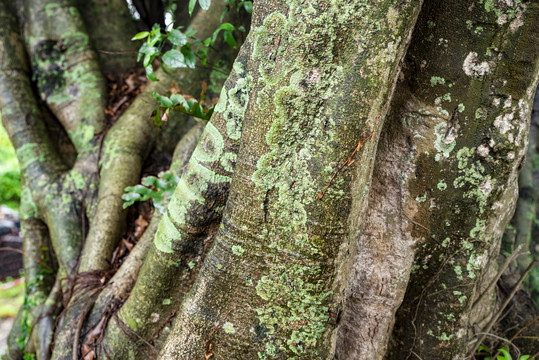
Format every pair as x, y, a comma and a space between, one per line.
189, 104
131, 195
177, 38
163, 100
229, 39
210, 112
225, 26
150, 74
190, 32
204, 4
198, 111
524, 357
157, 118
149, 181
178, 99
156, 28
189, 56
223, 14
141, 35
203, 56
482, 348
174, 59
152, 51
192, 4
248, 6
148, 59
148, 49
155, 39
506, 355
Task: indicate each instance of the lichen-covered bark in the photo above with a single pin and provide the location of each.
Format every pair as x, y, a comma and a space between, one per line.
121, 163
471, 73
121, 284
185, 231
65, 67
519, 231
309, 259
269, 288
167, 273
40, 164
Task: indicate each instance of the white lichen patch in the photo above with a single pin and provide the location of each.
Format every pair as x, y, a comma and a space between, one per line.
483, 150
503, 123
486, 186
507, 103
473, 66
517, 22
445, 140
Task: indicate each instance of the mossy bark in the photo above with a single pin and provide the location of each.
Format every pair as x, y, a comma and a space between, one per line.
303, 217
269, 287
470, 75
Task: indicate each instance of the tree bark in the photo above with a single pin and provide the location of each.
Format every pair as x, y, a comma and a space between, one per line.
345, 201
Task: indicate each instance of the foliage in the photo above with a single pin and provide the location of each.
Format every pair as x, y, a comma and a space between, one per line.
502, 354
160, 189
185, 49
10, 178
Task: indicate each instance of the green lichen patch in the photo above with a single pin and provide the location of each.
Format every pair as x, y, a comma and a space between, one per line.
27, 208
505, 11
437, 80
233, 102
472, 178
294, 306
27, 154
237, 250
441, 185
228, 328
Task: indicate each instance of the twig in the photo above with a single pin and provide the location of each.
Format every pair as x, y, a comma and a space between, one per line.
501, 270
82, 316
158, 332
7, 248
501, 339
208, 354
127, 330
504, 305
416, 223
350, 159
515, 336
117, 52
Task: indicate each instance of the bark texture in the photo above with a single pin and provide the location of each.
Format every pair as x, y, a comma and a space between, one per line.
346, 200
277, 241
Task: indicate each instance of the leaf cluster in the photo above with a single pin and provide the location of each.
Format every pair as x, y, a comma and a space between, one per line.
502, 354
160, 189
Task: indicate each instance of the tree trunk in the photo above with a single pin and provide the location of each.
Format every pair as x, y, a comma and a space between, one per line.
346, 200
